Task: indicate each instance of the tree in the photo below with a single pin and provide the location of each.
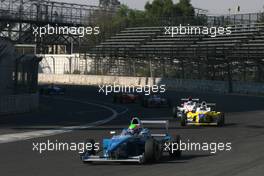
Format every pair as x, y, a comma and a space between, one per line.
158, 12
186, 8
166, 8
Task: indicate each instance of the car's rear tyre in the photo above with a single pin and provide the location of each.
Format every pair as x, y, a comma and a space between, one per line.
183, 119
221, 120
157, 151
178, 152
87, 153
149, 151
153, 151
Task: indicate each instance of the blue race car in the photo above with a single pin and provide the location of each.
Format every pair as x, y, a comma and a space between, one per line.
134, 144
52, 90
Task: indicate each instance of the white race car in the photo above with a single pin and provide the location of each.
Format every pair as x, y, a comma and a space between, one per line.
204, 115
188, 105
156, 100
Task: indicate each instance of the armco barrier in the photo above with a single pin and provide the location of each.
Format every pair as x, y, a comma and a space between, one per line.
13, 104
171, 83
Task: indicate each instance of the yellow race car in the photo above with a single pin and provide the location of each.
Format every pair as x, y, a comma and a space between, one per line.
203, 115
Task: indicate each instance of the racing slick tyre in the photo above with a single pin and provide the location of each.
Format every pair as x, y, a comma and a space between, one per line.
157, 151
178, 152
221, 120
183, 119
90, 152
152, 151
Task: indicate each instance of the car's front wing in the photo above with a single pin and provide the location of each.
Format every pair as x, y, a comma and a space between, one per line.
138, 159
201, 124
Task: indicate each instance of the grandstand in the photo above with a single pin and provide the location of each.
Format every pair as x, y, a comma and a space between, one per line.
147, 51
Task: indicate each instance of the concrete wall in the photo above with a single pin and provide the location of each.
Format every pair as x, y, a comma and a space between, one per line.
91, 79
194, 85
12, 104
63, 63
178, 84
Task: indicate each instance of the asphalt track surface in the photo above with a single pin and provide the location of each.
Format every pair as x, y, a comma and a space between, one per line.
244, 129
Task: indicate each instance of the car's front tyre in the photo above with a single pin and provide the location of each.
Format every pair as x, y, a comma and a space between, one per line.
183, 119
221, 120
87, 153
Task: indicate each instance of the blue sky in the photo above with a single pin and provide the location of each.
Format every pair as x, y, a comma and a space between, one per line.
214, 6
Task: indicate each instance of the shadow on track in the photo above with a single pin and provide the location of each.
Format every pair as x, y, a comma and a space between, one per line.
165, 160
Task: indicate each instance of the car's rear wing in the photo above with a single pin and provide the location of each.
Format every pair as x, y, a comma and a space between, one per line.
187, 99
157, 122
208, 104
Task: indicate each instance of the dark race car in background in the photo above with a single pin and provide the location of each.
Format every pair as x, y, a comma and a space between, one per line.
52, 90
155, 100
126, 97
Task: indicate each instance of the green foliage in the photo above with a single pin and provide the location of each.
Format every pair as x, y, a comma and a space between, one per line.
111, 24
76, 72
185, 8
166, 8
158, 12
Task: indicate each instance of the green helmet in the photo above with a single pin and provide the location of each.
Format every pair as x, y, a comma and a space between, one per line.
135, 124
132, 126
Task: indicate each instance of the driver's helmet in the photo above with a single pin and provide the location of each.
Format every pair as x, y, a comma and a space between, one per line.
135, 125
203, 106
189, 98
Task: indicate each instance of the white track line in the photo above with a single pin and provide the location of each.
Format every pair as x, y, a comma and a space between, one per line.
6, 138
